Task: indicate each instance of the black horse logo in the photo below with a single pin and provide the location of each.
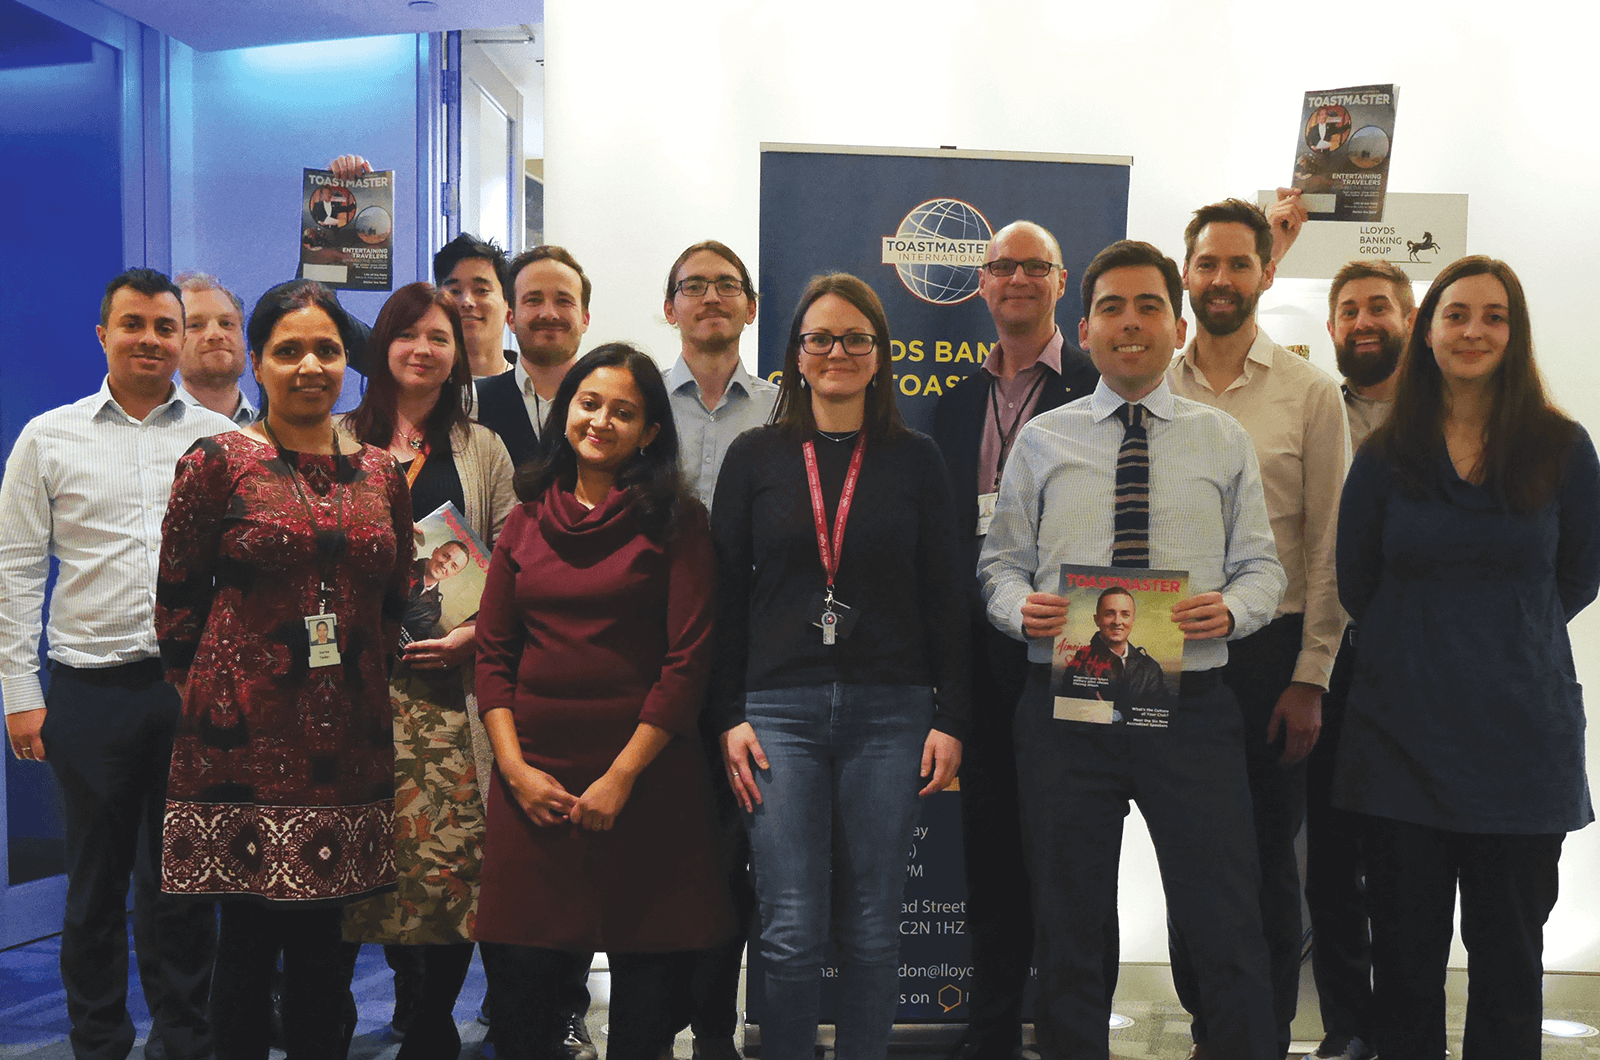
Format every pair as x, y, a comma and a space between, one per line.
1426, 244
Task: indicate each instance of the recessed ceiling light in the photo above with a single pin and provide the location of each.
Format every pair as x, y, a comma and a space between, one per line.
1568, 1029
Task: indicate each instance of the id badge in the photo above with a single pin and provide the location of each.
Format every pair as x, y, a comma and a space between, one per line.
986, 512
833, 618
322, 634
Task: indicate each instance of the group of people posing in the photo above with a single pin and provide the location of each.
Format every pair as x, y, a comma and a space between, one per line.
732, 632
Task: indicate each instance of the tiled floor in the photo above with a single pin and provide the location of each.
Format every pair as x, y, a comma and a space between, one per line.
33, 1021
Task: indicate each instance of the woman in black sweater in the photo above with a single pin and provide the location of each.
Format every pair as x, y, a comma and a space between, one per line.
841, 670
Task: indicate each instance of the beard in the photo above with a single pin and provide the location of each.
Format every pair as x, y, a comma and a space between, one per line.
1369, 369
1228, 321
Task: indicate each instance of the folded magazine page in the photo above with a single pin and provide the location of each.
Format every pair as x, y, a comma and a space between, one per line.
347, 230
1119, 658
1341, 158
446, 578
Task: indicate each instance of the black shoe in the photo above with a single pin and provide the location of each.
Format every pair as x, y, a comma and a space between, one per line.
1344, 1047
716, 1049
577, 1043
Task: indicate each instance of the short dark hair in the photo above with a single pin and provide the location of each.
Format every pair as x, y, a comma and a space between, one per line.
453, 543
373, 421
1132, 253
1230, 211
204, 281
652, 474
721, 250
793, 409
1375, 270
145, 281
468, 247
278, 302
547, 252
1115, 590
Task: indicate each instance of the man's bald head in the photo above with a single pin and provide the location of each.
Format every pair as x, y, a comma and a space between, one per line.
1033, 228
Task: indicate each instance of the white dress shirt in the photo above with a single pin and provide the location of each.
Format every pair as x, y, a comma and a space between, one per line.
538, 408
1207, 514
88, 485
705, 434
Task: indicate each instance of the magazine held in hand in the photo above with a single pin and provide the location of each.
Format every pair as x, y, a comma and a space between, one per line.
447, 577
1341, 157
1119, 658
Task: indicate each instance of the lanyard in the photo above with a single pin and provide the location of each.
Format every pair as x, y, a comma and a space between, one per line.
311, 513
1008, 436
415, 467
830, 554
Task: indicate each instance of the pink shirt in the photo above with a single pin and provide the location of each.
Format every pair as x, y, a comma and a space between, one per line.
1016, 399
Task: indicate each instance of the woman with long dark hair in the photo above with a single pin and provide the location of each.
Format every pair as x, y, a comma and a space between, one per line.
841, 671
1469, 536
418, 394
594, 643
280, 798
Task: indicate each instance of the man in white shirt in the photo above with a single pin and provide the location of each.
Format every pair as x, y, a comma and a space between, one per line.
213, 356
1296, 422
87, 484
549, 314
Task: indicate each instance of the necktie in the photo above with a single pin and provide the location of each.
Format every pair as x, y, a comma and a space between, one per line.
1130, 546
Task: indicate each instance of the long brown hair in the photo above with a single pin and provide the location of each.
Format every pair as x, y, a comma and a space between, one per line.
793, 409
373, 421
1527, 439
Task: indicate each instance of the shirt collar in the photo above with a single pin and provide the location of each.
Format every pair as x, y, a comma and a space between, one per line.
681, 376
524, 380
1050, 356
1105, 401
173, 406
1261, 352
245, 413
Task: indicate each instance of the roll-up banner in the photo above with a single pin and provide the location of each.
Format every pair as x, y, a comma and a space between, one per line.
915, 224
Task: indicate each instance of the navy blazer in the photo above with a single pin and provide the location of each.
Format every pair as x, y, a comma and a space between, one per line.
502, 410
958, 430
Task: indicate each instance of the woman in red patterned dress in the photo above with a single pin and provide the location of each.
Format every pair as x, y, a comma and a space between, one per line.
282, 785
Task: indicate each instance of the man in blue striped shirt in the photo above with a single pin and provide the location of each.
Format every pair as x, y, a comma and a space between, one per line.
1206, 516
87, 484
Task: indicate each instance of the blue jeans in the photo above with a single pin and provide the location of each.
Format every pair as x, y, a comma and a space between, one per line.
833, 834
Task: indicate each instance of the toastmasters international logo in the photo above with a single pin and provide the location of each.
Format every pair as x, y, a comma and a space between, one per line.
938, 250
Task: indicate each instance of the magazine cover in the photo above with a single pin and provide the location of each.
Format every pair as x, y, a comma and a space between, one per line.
446, 578
347, 230
1341, 158
1119, 659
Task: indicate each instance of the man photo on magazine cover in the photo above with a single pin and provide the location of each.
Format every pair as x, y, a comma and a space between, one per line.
426, 606
1109, 666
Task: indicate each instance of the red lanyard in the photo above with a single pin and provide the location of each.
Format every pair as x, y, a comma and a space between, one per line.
830, 555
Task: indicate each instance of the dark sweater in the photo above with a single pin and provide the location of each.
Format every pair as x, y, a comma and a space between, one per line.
901, 572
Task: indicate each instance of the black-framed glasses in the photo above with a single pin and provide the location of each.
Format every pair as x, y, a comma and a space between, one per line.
1035, 267
727, 287
821, 343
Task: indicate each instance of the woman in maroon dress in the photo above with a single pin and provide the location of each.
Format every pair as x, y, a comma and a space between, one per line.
282, 785
594, 638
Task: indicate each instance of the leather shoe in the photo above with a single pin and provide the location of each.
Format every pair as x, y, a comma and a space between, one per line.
716, 1049
577, 1044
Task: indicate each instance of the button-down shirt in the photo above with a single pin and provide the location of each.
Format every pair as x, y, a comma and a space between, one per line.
1017, 398
705, 434
538, 407
87, 484
1365, 414
244, 414
1207, 514
1296, 419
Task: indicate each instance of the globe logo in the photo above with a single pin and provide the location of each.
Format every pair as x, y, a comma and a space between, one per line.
939, 249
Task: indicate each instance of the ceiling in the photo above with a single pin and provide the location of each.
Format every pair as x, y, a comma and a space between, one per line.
207, 25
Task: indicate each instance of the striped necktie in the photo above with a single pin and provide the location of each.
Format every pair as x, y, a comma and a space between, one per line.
1130, 547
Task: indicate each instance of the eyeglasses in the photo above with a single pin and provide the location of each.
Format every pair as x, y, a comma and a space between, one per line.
1032, 267
855, 343
727, 287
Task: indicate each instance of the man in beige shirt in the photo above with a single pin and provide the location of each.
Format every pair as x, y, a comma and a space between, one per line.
1296, 420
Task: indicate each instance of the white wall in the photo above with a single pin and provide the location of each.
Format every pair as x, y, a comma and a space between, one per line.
654, 115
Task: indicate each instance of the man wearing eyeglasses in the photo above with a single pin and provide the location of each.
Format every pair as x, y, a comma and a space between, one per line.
1030, 369
710, 300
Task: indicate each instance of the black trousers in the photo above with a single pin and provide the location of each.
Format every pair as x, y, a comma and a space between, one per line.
1259, 668
1508, 885
316, 979
108, 741
428, 981
999, 897
1336, 890
1076, 780
650, 995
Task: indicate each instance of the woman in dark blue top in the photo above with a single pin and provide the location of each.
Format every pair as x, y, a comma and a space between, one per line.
1469, 536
